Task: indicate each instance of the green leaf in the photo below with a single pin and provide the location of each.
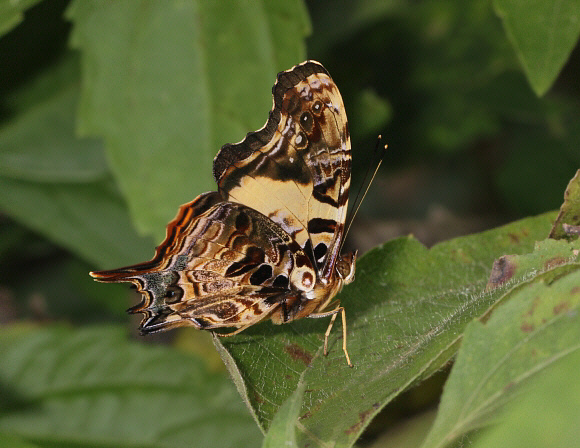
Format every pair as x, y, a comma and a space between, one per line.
548, 254
537, 324
543, 33
89, 219
92, 387
12, 441
546, 416
282, 431
41, 145
168, 83
59, 185
570, 210
12, 13
406, 312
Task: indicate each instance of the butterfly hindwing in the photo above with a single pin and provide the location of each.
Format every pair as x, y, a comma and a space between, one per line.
222, 264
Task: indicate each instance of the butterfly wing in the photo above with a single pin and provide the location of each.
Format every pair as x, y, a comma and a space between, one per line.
296, 169
222, 264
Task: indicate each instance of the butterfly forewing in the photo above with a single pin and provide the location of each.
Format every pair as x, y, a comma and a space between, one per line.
296, 169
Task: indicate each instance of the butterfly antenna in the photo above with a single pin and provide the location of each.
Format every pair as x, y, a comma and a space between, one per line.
369, 166
378, 155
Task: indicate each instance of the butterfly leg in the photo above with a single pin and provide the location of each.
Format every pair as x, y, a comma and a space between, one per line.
333, 315
233, 333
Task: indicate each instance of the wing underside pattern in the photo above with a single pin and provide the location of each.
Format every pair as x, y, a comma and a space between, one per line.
296, 169
222, 264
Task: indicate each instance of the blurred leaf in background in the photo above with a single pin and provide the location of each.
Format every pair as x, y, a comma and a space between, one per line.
543, 52
93, 386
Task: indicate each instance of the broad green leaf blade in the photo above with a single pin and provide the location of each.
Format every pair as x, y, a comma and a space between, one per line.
41, 145
39, 142
89, 219
92, 387
570, 210
12, 13
405, 314
543, 33
282, 432
537, 324
168, 83
546, 416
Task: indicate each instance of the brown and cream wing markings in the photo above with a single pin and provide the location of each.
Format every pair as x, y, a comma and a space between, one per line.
296, 169
222, 264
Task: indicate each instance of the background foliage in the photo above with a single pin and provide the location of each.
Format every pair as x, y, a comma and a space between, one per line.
110, 116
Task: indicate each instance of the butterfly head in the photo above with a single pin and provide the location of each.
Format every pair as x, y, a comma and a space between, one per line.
345, 267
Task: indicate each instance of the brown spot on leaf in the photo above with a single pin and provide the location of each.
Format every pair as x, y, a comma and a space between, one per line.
508, 386
460, 255
515, 237
257, 398
527, 327
298, 354
562, 307
553, 262
575, 290
503, 269
362, 417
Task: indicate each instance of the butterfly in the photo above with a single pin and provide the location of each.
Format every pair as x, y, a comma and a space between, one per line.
267, 243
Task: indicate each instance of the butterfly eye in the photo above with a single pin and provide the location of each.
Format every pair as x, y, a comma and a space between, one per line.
317, 107
306, 121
